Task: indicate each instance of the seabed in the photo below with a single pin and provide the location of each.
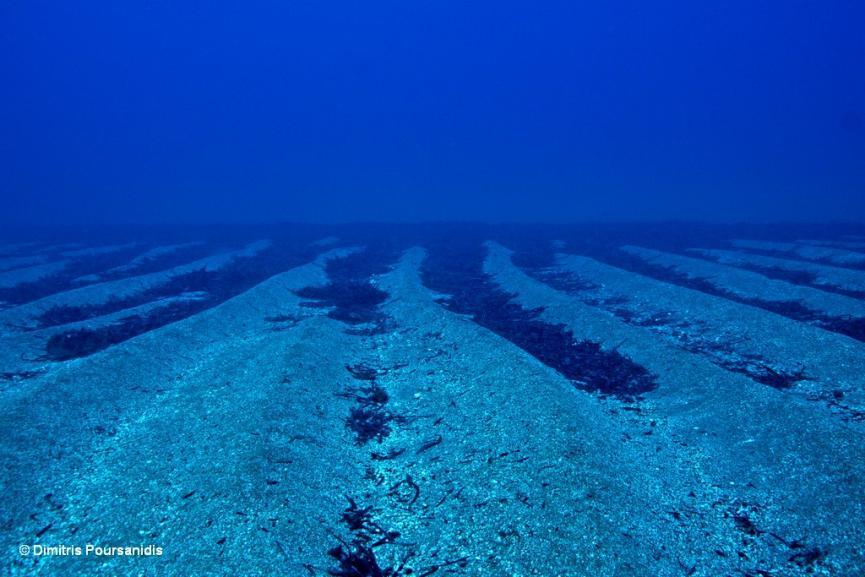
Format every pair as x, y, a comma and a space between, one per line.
425, 400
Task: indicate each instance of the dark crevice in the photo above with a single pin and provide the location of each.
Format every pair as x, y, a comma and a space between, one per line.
162, 262
849, 326
472, 292
697, 337
853, 327
352, 302
191, 282
792, 255
84, 342
561, 281
68, 278
692, 336
797, 277
217, 286
350, 292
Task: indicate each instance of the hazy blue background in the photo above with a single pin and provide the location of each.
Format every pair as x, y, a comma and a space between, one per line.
115, 111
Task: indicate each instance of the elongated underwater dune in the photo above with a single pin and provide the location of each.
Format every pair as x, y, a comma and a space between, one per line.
435, 400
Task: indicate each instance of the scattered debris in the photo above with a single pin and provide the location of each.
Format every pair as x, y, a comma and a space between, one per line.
283, 322
406, 491
358, 557
391, 454
19, 375
744, 524
362, 372
429, 444
808, 557
369, 419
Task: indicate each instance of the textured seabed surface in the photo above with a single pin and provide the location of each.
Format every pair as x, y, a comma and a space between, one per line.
434, 400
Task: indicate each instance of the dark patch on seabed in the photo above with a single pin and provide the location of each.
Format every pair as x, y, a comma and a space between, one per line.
607, 372
83, 342
721, 351
350, 294
690, 335
215, 287
218, 285
793, 255
852, 327
693, 335
67, 278
181, 255
804, 278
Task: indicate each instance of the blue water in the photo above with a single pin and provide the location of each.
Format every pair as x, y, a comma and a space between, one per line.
159, 111
413, 289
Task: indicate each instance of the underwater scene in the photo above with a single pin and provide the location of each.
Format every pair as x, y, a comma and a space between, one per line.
432, 288
365, 400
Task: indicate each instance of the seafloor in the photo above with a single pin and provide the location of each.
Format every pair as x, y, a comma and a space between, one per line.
665, 400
